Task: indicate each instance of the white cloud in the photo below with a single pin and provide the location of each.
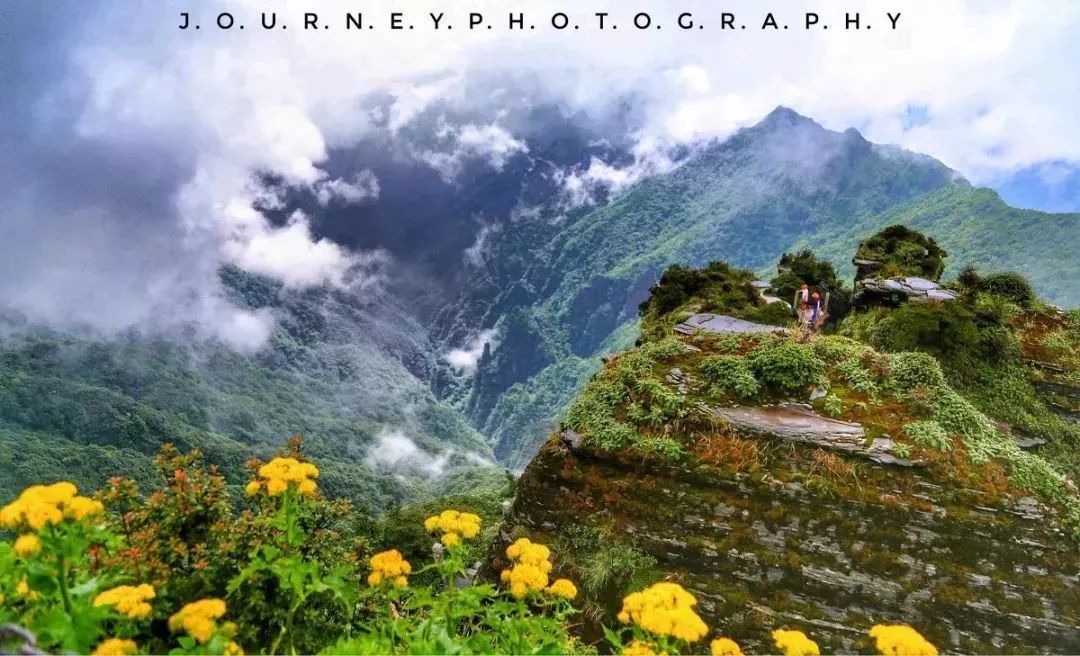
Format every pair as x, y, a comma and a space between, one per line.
487, 142
393, 451
997, 80
364, 186
465, 359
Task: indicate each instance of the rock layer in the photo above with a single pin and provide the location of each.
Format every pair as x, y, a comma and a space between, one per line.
763, 551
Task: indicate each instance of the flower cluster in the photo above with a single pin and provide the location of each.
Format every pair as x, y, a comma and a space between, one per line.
389, 566
116, 647
198, 619
530, 569
637, 648
129, 600
725, 647
41, 505
277, 474
664, 609
454, 526
27, 545
901, 640
794, 643
564, 588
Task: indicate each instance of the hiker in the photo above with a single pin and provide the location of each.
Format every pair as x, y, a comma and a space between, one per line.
816, 307
804, 300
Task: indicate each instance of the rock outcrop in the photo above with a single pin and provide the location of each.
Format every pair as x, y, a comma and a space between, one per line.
892, 291
796, 423
718, 323
763, 548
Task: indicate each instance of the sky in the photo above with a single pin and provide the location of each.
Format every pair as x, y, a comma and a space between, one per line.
131, 148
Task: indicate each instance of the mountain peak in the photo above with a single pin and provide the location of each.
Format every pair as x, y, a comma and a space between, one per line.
785, 117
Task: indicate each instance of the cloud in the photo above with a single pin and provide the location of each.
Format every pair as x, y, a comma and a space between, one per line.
394, 452
465, 359
139, 148
490, 143
363, 186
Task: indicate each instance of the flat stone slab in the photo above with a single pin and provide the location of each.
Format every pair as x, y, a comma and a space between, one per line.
915, 289
796, 424
719, 323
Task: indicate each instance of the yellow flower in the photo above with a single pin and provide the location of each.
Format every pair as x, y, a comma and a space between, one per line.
450, 539
307, 488
22, 588
389, 566
233, 649
531, 567
27, 545
901, 640
129, 600
40, 505
637, 648
280, 472
664, 609
794, 643
197, 619
252, 488
725, 647
116, 647
82, 507
463, 524
564, 588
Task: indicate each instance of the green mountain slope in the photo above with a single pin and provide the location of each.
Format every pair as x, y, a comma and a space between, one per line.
83, 408
783, 184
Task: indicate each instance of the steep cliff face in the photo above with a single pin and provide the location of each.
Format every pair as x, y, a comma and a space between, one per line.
792, 544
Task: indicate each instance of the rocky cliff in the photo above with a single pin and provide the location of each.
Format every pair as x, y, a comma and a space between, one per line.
772, 548
824, 484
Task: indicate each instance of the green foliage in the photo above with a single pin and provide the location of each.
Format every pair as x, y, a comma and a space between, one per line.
604, 565
835, 348
73, 408
904, 252
834, 405
785, 365
928, 434
729, 374
1009, 285
276, 577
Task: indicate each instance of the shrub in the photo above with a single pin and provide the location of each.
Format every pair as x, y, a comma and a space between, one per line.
1011, 286
929, 434
834, 348
908, 371
730, 373
786, 365
834, 405
904, 252
860, 379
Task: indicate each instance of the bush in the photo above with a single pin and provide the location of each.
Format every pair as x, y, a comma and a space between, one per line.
834, 348
786, 365
929, 434
1011, 286
834, 405
730, 373
908, 371
904, 252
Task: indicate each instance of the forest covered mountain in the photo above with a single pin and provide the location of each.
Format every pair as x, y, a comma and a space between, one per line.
784, 184
498, 264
